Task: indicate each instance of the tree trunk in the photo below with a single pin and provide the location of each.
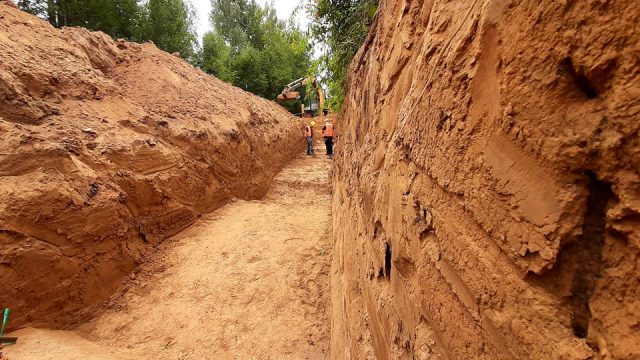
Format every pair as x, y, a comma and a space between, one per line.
52, 12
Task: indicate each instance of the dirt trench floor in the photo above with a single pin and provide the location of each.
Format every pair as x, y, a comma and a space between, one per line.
248, 281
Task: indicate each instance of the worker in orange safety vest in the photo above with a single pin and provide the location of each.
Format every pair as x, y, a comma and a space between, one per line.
308, 135
327, 132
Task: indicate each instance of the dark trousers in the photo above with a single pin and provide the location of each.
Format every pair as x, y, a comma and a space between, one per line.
309, 146
328, 142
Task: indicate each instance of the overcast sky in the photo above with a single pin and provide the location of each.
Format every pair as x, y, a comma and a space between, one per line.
284, 8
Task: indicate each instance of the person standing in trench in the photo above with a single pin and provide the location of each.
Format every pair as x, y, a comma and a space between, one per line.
308, 135
328, 132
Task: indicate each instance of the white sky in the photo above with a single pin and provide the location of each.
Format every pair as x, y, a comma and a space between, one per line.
284, 8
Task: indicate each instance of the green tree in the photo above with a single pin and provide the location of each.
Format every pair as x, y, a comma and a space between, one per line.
342, 27
254, 50
117, 18
240, 22
169, 24
216, 57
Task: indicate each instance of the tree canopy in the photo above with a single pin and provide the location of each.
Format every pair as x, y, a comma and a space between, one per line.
168, 23
251, 48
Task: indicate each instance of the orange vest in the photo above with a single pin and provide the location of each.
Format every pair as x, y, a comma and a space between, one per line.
328, 130
308, 132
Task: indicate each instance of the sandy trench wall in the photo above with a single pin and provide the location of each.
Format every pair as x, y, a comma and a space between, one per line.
486, 195
106, 149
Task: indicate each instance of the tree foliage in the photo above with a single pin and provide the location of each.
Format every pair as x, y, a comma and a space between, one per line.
216, 57
342, 26
115, 17
251, 48
170, 25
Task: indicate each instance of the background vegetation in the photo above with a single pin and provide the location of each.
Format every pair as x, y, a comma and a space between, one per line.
254, 50
168, 23
341, 26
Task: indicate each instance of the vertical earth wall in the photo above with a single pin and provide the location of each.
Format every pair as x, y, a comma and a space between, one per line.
487, 197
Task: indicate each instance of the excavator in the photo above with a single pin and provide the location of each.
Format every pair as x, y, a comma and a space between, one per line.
310, 107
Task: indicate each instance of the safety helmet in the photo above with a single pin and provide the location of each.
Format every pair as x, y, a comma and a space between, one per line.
313, 123
327, 121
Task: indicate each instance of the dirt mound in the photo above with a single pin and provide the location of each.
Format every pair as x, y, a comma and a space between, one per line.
487, 198
108, 148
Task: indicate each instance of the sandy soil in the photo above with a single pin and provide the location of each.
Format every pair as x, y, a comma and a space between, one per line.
108, 148
248, 281
487, 194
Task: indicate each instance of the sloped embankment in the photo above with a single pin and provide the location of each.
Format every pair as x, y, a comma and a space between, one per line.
108, 148
487, 197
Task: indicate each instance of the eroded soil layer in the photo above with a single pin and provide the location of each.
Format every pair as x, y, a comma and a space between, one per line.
487, 197
106, 149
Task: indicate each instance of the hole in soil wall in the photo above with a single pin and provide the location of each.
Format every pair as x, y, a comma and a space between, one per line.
580, 80
377, 229
588, 254
387, 261
442, 120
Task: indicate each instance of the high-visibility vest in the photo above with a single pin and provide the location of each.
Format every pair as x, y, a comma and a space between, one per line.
328, 130
308, 132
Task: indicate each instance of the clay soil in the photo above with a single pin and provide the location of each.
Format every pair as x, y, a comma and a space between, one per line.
487, 195
248, 281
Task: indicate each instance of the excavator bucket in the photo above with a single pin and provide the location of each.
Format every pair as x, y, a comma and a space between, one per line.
290, 96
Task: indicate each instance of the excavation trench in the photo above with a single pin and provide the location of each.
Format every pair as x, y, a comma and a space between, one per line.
250, 280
